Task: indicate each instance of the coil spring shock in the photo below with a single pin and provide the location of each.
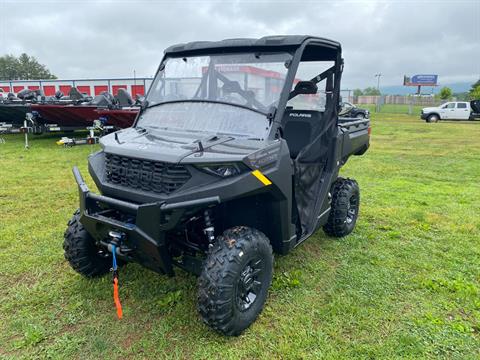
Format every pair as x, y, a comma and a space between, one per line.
209, 229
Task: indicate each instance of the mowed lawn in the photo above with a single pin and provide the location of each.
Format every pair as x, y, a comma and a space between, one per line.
405, 284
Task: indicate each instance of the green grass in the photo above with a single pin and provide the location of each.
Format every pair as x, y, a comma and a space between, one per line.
405, 284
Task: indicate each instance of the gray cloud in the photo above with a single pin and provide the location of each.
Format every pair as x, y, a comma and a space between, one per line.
84, 39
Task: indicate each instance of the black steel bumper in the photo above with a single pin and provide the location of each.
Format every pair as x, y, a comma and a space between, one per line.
143, 225
424, 116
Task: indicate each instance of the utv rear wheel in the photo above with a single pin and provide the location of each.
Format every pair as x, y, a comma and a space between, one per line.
80, 250
234, 283
345, 205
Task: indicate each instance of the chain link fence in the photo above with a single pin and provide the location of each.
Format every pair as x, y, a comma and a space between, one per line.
396, 104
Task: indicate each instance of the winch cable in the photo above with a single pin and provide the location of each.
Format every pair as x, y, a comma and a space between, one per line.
116, 298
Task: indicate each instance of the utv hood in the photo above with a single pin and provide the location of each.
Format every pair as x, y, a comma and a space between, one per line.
175, 147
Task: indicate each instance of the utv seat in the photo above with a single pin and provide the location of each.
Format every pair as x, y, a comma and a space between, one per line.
299, 128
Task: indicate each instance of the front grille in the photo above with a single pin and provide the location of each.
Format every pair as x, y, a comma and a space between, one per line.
153, 176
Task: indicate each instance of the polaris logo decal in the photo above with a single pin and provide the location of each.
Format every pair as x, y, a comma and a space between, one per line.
300, 115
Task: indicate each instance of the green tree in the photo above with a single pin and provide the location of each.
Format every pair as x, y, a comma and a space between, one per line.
23, 68
474, 92
462, 96
371, 91
445, 93
357, 92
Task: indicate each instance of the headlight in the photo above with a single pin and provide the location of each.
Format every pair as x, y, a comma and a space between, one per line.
264, 158
223, 170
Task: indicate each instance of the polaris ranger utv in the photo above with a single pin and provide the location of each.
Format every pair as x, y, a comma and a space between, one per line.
234, 154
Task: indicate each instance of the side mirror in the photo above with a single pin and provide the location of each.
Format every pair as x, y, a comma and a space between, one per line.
306, 88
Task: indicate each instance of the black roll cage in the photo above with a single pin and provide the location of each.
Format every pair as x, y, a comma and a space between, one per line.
332, 74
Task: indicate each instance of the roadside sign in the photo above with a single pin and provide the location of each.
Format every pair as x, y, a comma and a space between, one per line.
420, 80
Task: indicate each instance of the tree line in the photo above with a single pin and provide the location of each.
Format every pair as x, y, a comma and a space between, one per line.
23, 67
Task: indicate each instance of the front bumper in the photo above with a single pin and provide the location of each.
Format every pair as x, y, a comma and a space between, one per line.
143, 225
423, 116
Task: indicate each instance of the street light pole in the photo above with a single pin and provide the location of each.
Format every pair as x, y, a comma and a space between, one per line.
378, 80
377, 108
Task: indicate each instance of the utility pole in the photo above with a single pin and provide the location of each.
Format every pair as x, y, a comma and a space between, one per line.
377, 108
378, 80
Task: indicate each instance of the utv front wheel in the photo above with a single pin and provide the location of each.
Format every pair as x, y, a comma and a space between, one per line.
80, 250
344, 210
234, 283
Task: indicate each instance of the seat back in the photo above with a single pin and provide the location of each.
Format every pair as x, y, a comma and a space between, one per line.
124, 98
299, 128
75, 95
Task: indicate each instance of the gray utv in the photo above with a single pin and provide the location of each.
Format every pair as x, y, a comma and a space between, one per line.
234, 155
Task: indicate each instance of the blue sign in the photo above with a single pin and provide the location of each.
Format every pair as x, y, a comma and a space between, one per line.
424, 80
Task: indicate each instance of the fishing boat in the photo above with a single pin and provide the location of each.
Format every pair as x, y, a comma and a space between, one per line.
13, 113
118, 118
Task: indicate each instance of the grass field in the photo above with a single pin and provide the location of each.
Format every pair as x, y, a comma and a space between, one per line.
405, 284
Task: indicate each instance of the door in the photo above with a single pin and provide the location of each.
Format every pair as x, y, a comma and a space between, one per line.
446, 111
49, 90
84, 89
462, 111
98, 89
65, 89
138, 90
115, 88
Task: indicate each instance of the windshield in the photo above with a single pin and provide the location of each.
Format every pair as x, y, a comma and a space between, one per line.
206, 117
252, 80
228, 94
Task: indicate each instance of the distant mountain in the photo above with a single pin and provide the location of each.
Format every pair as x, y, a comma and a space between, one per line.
404, 90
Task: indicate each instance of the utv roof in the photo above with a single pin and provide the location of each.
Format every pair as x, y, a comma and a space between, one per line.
277, 42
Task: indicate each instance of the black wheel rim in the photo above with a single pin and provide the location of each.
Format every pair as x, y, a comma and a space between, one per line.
352, 209
249, 284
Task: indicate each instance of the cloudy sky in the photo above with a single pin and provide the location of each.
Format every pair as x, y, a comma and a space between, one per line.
86, 39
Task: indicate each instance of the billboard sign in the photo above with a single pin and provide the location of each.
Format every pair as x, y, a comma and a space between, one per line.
420, 80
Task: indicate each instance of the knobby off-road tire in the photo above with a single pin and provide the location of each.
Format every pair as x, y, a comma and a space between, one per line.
80, 250
234, 283
345, 205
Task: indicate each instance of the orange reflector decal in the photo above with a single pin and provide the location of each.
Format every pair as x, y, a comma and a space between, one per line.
258, 174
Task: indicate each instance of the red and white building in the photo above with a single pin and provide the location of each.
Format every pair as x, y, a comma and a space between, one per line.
135, 86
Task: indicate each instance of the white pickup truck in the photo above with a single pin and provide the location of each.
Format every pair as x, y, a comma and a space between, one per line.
454, 110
